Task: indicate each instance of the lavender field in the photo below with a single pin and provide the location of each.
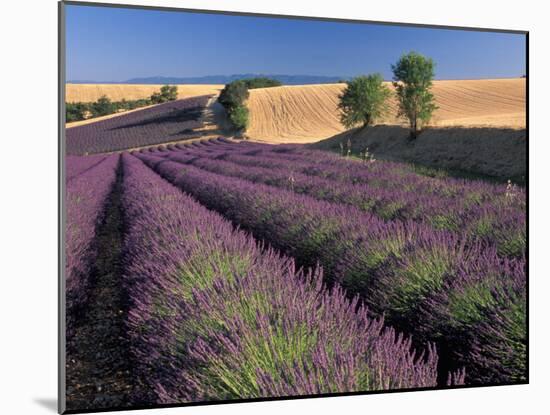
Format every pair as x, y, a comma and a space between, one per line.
171, 121
246, 270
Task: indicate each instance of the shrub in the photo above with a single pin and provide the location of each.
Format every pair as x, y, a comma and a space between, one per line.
169, 92
261, 82
413, 75
233, 97
234, 94
76, 111
363, 101
157, 98
132, 104
239, 117
103, 106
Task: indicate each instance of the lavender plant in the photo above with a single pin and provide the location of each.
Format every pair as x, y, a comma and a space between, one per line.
86, 196
76, 165
215, 316
468, 218
403, 263
165, 122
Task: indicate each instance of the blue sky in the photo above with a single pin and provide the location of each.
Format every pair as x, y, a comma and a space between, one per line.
110, 44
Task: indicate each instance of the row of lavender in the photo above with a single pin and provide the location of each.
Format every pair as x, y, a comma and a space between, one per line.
91, 181
75, 165
428, 283
215, 316
171, 121
474, 210
381, 174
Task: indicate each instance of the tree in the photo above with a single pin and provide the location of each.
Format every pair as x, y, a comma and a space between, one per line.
412, 78
103, 106
169, 92
157, 98
76, 111
261, 82
234, 94
239, 117
233, 98
363, 101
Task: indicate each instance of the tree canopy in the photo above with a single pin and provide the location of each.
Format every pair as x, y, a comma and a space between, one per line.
412, 78
364, 101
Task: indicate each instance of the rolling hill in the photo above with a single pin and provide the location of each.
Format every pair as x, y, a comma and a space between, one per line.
309, 113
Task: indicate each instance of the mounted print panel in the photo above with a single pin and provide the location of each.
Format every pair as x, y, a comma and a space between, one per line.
266, 207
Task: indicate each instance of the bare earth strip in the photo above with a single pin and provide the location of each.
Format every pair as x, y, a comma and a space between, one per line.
117, 92
308, 113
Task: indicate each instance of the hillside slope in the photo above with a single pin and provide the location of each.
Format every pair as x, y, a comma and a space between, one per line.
173, 121
309, 113
497, 152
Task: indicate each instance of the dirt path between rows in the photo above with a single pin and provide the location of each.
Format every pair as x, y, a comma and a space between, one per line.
98, 368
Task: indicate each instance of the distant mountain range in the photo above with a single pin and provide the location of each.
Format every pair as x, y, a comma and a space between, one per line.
223, 79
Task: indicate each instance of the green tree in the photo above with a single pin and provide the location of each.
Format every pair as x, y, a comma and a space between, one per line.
412, 78
233, 98
261, 82
157, 98
103, 106
169, 92
76, 111
239, 117
363, 101
166, 93
234, 94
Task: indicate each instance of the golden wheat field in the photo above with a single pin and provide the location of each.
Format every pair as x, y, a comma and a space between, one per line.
117, 92
308, 113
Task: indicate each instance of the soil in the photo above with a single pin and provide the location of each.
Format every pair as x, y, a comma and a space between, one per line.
98, 364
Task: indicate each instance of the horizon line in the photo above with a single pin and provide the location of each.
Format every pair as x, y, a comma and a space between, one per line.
344, 78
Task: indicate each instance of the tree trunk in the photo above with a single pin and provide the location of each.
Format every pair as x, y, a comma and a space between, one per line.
412, 135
